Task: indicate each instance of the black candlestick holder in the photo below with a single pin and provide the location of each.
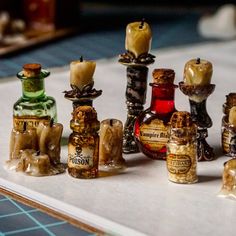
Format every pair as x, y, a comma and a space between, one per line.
198, 95
82, 97
137, 72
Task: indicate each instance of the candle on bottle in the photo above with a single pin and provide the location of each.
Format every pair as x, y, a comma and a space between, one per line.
198, 72
34, 163
49, 139
21, 140
138, 38
81, 72
110, 146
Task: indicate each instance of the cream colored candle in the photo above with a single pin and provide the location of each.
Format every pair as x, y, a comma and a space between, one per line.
198, 72
20, 140
138, 38
34, 163
110, 145
49, 139
81, 73
232, 116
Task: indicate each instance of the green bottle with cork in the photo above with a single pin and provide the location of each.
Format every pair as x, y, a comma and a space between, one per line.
34, 106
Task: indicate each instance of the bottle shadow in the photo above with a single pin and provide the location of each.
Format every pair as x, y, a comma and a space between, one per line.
218, 152
138, 161
208, 178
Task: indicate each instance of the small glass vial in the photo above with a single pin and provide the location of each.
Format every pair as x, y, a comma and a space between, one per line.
34, 106
182, 149
83, 143
151, 127
228, 129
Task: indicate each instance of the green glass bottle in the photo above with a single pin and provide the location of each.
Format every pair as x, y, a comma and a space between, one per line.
34, 106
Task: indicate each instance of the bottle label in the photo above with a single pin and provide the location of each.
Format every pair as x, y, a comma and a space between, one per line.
154, 135
178, 164
31, 121
80, 158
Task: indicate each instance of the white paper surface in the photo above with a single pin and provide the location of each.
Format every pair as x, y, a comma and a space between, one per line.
140, 201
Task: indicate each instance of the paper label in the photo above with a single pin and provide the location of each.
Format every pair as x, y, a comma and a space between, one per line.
31, 121
80, 158
178, 164
154, 135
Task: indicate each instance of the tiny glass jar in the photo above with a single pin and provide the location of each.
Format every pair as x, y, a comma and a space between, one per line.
182, 149
83, 143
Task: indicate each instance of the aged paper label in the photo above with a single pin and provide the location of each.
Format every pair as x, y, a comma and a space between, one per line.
154, 135
80, 158
178, 164
31, 121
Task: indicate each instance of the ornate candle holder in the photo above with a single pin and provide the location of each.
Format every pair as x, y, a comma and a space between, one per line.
137, 72
198, 95
82, 97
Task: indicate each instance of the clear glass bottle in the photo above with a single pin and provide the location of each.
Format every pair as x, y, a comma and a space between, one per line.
83, 143
182, 149
151, 127
34, 106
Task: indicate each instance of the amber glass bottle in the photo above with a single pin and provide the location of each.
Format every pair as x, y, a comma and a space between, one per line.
151, 127
83, 143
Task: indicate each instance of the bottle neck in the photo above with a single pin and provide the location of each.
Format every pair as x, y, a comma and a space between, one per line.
33, 87
163, 98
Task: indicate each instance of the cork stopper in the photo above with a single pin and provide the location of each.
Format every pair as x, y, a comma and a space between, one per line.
83, 114
181, 119
31, 69
163, 76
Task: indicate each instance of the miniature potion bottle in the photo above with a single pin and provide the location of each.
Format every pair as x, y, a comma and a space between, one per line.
151, 127
182, 149
229, 125
34, 106
83, 143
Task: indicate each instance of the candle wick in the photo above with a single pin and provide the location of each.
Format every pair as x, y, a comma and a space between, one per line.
198, 60
37, 153
111, 122
81, 59
142, 23
51, 122
24, 126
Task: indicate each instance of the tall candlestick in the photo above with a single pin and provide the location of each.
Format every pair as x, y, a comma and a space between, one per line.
197, 86
110, 145
136, 58
81, 73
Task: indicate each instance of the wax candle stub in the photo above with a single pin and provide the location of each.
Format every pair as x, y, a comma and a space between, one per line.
138, 38
110, 147
198, 72
81, 73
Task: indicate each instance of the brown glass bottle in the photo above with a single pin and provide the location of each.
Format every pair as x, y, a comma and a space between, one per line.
151, 127
83, 143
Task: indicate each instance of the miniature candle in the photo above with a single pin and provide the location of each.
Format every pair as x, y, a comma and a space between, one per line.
81, 73
232, 116
22, 139
49, 139
229, 180
34, 163
110, 146
198, 72
138, 38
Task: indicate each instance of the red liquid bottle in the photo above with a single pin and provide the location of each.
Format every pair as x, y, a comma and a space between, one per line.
151, 127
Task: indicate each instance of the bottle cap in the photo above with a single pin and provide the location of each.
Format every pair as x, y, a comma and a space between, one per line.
181, 119
163, 76
31, 69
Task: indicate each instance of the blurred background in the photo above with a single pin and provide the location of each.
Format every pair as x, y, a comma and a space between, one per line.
54, 32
